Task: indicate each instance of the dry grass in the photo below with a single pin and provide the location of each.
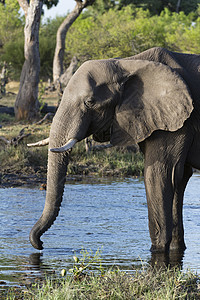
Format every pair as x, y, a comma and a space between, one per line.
146, 284
12, 88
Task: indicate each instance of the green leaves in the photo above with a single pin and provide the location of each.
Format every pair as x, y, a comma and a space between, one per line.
83, 266
104, 30
11, 22
154, 6
126, 32
50, 3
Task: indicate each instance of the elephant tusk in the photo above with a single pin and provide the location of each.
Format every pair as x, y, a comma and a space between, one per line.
70, 144
40, 143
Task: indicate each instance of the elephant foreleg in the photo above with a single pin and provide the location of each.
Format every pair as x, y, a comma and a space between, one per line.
159, 192
177, 242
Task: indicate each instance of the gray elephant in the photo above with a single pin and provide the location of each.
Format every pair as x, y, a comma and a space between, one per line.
152, 99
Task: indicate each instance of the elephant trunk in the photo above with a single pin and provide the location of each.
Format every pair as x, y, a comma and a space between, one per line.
57, 168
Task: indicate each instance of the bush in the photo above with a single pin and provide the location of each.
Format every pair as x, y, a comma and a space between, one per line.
126, 32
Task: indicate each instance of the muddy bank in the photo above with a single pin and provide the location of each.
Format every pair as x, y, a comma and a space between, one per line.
21, 166
9, 180
17, 180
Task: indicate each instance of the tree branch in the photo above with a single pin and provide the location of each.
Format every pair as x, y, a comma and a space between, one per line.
83, 4
47, 116
3, 139
16, 140
61, 35
24, 5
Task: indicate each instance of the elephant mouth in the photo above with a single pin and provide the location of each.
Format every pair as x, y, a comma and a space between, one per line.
102, 136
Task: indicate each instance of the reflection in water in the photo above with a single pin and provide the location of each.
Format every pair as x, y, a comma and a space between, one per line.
171, 259
35, 260
111, 216
37, 263
158, 260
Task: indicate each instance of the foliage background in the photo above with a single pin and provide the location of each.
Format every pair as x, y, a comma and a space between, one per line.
104, 30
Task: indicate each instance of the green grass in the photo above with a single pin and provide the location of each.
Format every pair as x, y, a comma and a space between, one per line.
90, 280
20, 158
109, 162
146, 284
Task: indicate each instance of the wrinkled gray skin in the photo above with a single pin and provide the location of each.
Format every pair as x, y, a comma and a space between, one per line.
151, 99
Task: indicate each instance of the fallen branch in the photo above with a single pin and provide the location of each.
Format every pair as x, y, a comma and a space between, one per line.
11, 93
7, 110
3, 139
10, 110
48, 109
47, 116
16, 140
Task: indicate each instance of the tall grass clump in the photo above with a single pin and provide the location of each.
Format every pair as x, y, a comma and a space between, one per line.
17, 157
110, 162
146, 284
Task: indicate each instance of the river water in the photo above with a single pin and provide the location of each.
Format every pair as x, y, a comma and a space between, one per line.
110, 215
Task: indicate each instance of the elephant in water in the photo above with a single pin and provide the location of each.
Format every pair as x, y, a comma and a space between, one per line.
152, 99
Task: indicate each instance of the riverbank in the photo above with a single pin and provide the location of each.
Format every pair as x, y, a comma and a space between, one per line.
144, 284
21, 165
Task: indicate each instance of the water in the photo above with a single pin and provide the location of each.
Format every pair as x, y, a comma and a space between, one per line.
111, 215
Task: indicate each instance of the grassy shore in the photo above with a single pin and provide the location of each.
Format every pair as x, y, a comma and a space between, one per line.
146, 284
27, 161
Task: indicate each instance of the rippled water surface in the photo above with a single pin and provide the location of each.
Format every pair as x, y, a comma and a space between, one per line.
111, 215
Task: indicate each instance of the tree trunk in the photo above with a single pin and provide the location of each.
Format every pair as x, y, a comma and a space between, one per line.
178, 6
61, 35
67, 75
27, 104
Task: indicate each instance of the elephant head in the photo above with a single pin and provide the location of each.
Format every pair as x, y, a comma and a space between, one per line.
118, 100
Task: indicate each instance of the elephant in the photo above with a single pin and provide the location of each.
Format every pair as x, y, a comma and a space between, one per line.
151, 99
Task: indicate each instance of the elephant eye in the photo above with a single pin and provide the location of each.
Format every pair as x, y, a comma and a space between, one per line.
89, 103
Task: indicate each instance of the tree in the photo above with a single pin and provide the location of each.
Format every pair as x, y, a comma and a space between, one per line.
156, 6
61, 35
101, 6
47, 33
27, 104
131, 30
11, 23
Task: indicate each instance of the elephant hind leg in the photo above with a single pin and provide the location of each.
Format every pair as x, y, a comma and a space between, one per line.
177, 243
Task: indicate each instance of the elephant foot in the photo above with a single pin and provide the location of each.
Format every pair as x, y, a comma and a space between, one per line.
177, 246
160, 249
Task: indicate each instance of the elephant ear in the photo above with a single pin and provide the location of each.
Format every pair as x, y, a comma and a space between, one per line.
153, 97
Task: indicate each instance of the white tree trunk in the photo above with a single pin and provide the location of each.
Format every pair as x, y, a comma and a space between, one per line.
26, 104
61, 35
